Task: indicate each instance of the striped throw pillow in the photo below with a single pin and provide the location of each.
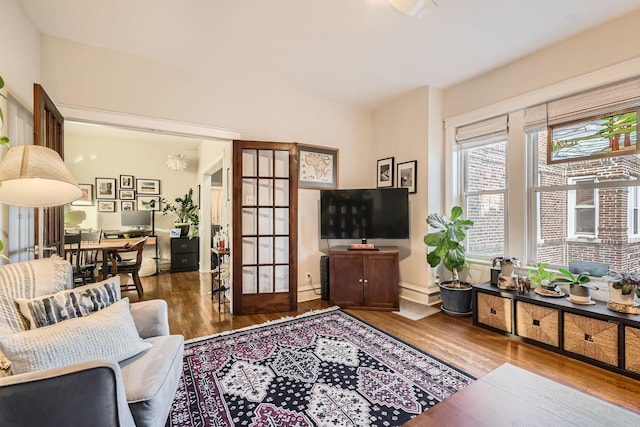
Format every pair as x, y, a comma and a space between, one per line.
49, 309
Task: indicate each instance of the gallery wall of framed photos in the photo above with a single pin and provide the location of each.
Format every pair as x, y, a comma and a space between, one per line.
125, 172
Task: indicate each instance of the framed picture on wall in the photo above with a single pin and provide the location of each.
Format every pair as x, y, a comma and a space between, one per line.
127, 206
127, 194
385, 173
126, 181
317, 167
407, 175
106, 188
148, 186
86, 197
144, 201
106, 206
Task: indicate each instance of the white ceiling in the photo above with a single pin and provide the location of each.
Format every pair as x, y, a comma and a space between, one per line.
357, 52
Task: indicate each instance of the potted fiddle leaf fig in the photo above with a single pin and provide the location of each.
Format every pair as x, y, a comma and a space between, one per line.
579, 286
447, 241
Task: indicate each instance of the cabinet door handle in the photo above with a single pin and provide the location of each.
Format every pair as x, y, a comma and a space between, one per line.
366, 281
360, 280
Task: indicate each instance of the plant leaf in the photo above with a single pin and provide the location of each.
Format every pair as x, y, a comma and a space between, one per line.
433, 239
433, 259
456, 212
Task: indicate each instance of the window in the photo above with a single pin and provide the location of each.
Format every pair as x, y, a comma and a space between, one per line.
583, 209
483, 154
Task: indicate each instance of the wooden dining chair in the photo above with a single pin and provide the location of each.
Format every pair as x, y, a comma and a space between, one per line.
120, 264
90, 258
73, 254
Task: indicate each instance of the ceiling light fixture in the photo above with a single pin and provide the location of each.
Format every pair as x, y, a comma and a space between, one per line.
177, 162
414, 8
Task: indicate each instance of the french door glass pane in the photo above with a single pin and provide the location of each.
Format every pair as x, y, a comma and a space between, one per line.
249, 162
265, 279
486, 237
265, 197
265, 165
249, 283
282, 163
249, 221
282, 250
282, 220
265, 221
249, 192
282, 192
265, 250
282, 278
249, 250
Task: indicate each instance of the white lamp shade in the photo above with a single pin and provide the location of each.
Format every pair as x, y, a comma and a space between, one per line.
415, 8
36, 176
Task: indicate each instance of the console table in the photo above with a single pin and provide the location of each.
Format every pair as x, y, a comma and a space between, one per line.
365, 279
591, 333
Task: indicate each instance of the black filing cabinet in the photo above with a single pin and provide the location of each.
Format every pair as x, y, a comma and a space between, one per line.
184, 254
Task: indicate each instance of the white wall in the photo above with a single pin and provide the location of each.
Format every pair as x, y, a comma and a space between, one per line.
19, 68
81, 75
19, 57
611, 43
410, 128
111, 157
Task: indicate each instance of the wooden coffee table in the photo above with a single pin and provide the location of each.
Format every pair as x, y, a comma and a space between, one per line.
510, 396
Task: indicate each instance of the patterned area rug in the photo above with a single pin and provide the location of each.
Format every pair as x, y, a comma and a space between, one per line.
321, 368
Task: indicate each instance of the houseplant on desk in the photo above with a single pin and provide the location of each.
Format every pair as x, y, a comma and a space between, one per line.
447, 241
187, 211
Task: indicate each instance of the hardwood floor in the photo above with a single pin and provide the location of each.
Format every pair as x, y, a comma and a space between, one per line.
454, 340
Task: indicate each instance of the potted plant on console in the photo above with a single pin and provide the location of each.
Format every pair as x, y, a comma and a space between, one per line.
579, 286
447, 241
187, 211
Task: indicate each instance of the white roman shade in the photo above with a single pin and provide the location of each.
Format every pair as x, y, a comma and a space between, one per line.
483, 132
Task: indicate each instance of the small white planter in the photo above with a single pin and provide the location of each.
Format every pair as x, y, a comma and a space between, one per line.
615, 295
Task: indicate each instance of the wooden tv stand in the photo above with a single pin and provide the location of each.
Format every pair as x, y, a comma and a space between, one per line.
364, 279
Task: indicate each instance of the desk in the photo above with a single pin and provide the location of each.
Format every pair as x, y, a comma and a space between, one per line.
510, 396
217, 276
106, 244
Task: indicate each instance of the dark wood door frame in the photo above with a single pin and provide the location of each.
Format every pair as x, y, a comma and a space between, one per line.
48, 131
258, 302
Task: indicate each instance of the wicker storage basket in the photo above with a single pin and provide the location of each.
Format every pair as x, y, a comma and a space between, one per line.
537, 323
494, 311
632, 349
596, 339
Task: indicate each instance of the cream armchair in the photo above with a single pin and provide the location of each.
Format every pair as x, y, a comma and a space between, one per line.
135, 392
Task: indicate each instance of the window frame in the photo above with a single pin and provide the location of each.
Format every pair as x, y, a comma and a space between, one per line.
581, 183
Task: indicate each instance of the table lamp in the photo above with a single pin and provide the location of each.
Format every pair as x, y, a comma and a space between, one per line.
36, 176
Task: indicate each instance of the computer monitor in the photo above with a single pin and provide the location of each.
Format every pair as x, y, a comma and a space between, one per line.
137, 219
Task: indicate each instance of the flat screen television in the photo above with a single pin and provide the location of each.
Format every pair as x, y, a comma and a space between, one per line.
379, 213
135, 219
